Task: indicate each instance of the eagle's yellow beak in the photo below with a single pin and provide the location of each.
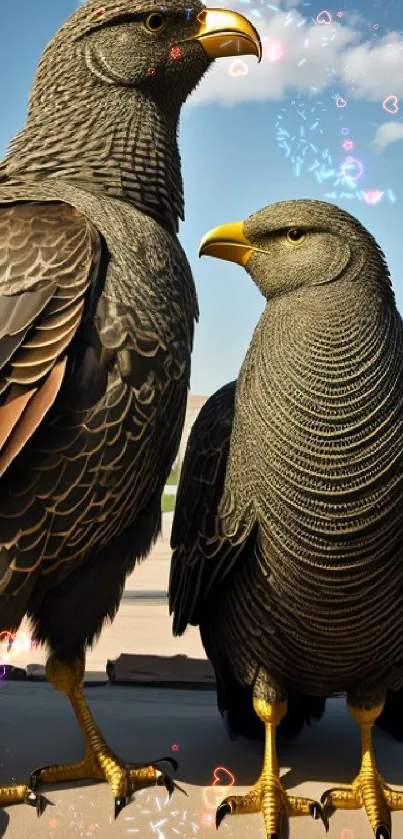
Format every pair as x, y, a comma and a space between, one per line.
223, 33
227, 242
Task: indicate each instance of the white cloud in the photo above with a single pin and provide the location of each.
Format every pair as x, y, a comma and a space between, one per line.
310, 56
375, 71
388, 132
319, 56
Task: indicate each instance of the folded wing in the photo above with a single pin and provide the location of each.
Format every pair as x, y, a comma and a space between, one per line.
202, 556
49, 258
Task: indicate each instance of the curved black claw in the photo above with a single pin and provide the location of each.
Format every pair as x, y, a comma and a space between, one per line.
328, 808
121, 802
37, 801
222, 810
34, 778
383, 832
171, 760
319, 812
170, 785
167, 782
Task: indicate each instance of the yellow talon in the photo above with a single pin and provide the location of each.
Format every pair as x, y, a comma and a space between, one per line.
22, 794
268, 795
368, 789
99, 762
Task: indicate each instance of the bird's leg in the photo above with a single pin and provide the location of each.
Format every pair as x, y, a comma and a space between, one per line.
268, 795
368, 790
22, 794
99, 761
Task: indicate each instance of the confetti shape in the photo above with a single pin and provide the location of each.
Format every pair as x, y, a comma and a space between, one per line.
324, 17
175, 53
372, 196
391, 104
274, 51
222, 780
352, 169
238, 68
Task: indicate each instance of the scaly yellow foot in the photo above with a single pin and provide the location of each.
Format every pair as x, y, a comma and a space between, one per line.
369, 789
21, 794
268, 795
99, 762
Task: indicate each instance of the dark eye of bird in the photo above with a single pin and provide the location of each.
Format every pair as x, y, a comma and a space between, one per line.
295, 235
154, 22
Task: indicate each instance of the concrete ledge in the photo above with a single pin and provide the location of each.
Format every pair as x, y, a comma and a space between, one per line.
176, 671
39, 727
129, 594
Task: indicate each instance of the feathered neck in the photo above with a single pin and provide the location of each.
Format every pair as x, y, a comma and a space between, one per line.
124, 146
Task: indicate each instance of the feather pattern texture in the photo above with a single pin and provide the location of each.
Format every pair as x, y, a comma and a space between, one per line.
86, 474
312, 497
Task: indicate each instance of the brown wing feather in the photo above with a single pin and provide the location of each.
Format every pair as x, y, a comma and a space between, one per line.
49, 256
38, 403
11, 412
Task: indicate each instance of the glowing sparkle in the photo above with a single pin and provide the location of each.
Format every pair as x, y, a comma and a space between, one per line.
175, 53
324, 17
373, 196
274, 51
391, 104
6, 640
238, 68
12, 644
163, 822
222, 780
303, 145
207, 820
351, 169
175, 747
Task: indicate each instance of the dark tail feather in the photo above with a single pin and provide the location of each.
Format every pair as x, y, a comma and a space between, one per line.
391, 719
235, 703
301, 710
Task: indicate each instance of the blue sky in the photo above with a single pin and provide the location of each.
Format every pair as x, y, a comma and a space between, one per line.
331, 76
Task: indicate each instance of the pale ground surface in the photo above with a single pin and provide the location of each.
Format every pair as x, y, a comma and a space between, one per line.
38, 727
141, 625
